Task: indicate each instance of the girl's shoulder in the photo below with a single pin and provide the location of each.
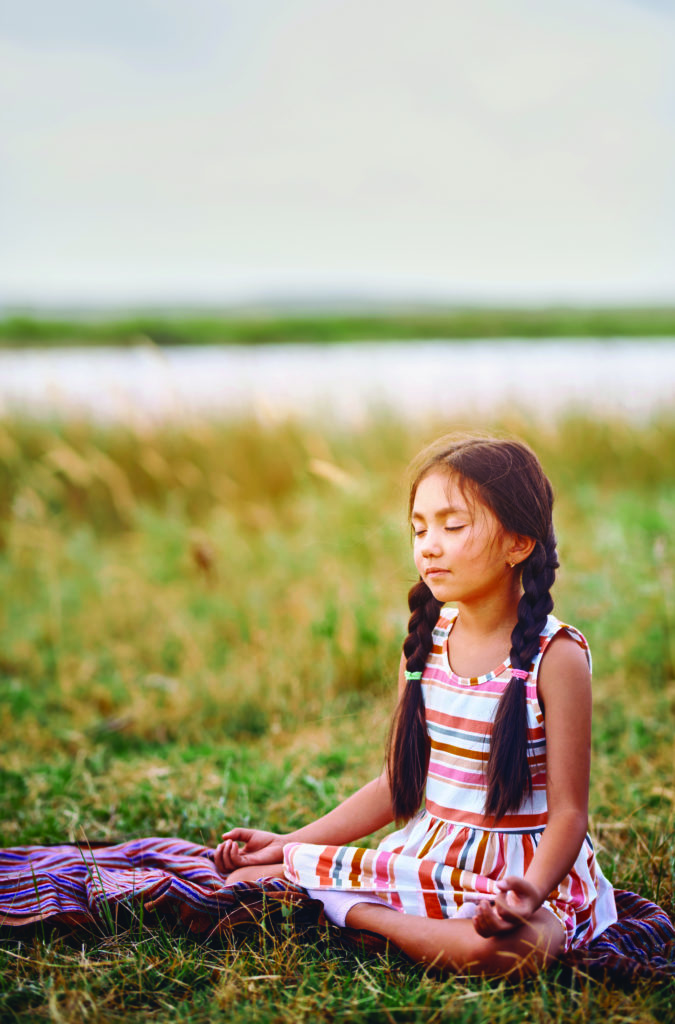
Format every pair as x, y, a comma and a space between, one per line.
555, 628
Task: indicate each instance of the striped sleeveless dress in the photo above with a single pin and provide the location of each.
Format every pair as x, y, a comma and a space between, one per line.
450, 856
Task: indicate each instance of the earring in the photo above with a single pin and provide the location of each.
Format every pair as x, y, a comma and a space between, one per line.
510, 564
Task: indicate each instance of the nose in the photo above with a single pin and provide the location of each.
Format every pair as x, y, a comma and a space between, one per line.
430, 545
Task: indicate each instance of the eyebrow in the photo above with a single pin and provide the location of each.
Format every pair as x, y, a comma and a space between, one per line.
450, 510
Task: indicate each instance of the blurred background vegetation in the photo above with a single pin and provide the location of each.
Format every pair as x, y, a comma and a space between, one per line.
256, 327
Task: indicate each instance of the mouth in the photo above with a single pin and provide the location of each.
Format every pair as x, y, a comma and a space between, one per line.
436, 572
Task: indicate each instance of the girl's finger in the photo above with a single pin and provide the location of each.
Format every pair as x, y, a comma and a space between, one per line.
226, 854
241, 835
507, 913
236, 856
488, 922
516, 883
219, 861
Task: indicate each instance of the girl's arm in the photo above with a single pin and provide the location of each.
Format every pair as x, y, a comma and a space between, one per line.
360, 814
564, 689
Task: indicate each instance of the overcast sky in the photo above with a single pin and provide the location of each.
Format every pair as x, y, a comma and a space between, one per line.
220, 150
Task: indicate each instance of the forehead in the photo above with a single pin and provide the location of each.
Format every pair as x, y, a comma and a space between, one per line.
439, 489
439, 492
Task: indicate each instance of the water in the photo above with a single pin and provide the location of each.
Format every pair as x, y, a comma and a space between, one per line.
632, 378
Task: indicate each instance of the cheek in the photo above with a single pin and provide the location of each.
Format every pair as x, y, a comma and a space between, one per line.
479, 545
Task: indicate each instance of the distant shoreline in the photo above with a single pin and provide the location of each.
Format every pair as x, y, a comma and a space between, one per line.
258, 328
628, 378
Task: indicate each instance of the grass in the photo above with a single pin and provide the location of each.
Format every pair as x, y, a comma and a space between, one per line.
202, 629
23, 330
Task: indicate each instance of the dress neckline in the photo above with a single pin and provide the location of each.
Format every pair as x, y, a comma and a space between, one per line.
467, 680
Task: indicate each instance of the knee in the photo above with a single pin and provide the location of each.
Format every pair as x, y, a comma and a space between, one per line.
470, 954
493, 957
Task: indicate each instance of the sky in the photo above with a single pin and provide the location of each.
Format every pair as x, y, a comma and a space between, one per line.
236, 151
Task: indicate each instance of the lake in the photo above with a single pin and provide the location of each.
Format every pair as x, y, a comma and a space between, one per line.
629, 377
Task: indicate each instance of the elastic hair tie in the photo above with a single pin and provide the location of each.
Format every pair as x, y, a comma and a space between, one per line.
519, 673
412, 675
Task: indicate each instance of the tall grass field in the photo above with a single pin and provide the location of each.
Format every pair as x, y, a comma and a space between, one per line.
201, 628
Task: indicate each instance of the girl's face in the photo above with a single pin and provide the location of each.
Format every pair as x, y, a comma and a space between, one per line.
461, 550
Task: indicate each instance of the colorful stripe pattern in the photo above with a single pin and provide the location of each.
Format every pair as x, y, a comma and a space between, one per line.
451, 854
84, 885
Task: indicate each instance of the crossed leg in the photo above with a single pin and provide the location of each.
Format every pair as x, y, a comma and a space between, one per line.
453, 946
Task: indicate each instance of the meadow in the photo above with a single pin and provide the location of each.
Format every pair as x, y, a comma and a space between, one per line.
201, 628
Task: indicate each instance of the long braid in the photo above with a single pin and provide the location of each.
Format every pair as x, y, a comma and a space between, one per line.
408, 746
424, 612
508, 773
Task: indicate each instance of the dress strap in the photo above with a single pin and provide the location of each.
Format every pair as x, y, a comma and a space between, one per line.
552, 629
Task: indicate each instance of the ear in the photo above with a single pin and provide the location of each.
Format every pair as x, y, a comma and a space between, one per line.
519, 549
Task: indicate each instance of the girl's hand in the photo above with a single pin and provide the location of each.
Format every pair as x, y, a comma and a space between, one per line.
259, 848
517, 901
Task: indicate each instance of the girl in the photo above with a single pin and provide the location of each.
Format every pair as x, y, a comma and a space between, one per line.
496, 872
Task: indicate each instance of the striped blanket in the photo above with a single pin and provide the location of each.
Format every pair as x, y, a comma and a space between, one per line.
89, 885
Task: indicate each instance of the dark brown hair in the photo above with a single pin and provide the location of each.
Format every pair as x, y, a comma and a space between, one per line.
506, 476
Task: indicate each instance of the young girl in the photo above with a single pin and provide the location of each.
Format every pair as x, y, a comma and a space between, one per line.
496, 872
